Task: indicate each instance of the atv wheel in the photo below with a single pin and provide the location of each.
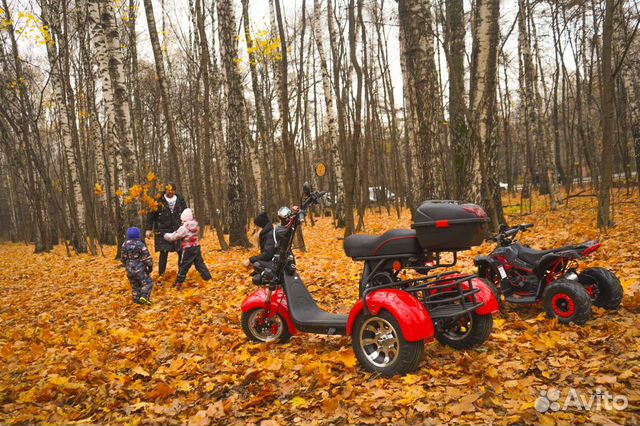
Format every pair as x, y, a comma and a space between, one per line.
467, 331
261, 329
380, 346
603, 287
568, 301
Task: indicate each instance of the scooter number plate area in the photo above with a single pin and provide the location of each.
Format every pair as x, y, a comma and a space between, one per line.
502, 272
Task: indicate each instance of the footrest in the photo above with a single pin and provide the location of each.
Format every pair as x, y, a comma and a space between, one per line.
523, 300
452, 310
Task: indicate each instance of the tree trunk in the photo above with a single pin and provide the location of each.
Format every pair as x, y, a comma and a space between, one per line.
455, 49
163, 85
237, 130
484, 187
607, 118
416, 22
330, 117
77, 203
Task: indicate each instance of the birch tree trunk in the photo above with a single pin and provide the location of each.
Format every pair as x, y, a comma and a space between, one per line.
409, 139
607, 117
174, 150
237, 130
330, 122
77, 205
416, 21
261, 134
484, 187
334, 39
121, 108
458, 129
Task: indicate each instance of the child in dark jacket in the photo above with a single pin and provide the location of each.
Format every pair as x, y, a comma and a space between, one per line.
138, 264
191, 254
266, 241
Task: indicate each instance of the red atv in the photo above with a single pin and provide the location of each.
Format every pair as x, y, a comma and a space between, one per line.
524, 275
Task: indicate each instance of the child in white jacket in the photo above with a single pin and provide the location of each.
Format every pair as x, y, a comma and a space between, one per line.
191, 254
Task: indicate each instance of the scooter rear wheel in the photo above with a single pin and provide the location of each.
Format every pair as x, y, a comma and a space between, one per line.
380, 346
467, 331
261, 329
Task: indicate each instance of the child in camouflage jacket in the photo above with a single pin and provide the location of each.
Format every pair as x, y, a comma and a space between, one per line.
138, 264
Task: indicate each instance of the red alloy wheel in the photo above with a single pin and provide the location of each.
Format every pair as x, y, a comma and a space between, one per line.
563, 305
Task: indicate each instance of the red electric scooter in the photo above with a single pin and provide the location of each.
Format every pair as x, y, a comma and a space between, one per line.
392, 319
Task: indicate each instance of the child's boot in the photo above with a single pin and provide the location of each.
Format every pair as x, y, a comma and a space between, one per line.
144, 301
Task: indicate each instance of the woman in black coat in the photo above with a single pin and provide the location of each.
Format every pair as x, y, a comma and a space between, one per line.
166, 219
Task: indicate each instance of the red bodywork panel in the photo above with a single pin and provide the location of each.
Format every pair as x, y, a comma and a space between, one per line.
591, 249
414, 320
485, 295
278, 305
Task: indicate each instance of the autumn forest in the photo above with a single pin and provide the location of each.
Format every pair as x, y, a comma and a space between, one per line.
528, 109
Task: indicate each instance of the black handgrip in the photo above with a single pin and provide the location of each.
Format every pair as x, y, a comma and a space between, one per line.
511, 232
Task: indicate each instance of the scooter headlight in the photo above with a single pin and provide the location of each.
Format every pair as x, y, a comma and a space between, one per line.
284, 213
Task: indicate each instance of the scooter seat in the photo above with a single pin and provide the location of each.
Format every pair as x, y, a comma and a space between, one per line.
393, 242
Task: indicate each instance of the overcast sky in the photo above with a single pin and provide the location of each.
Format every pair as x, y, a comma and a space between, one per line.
178, 24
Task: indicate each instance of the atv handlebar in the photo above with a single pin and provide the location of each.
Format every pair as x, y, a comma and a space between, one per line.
508, 233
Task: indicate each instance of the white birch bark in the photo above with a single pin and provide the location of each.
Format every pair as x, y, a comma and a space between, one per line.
330, 120
121, 108
101, 48
480, 96
78, 205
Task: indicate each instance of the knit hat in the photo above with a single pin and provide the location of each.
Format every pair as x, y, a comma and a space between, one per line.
187, 215
261, 220
133, 233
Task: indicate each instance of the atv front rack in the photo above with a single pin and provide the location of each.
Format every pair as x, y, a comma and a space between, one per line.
442, 296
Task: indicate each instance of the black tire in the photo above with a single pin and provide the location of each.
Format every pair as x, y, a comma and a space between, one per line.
608, 292
407, 355
466, 332
568, 301
253, 333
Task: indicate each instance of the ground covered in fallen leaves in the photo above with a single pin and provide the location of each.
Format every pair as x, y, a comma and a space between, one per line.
74, 349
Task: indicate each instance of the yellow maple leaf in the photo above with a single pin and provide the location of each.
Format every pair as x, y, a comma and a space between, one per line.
298, 402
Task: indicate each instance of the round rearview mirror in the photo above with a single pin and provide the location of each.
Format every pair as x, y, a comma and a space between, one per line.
321, 169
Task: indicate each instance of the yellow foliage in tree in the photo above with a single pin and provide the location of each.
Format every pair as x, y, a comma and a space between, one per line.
99, 190
264, 48
146, 194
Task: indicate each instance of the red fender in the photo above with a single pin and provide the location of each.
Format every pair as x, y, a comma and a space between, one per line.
485, 295
278, 305
415, 322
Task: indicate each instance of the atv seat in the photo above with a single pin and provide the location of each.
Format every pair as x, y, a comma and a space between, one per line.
393, 242
533, 256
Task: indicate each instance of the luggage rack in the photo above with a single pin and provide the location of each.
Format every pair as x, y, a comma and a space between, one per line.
441, 299
382, 260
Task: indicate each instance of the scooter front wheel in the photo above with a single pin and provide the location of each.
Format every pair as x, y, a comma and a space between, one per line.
380, 346
260, 328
